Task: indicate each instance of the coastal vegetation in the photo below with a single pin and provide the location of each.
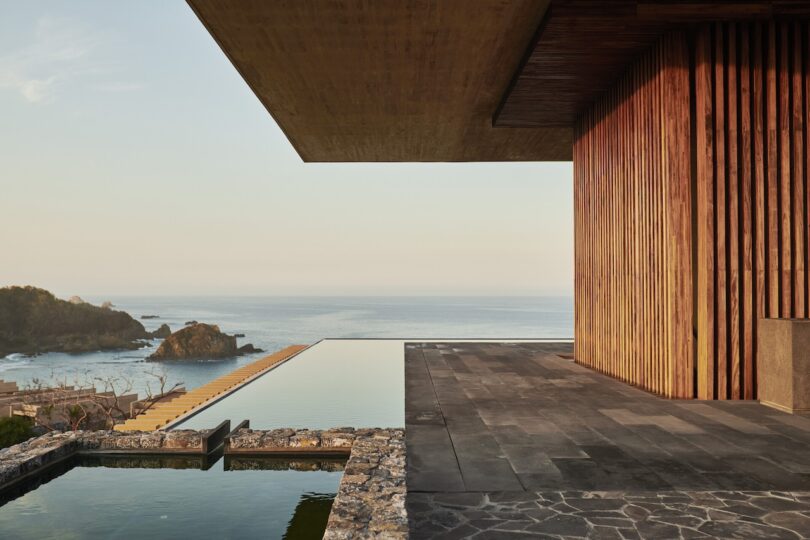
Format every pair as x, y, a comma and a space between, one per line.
34, 321
14, 430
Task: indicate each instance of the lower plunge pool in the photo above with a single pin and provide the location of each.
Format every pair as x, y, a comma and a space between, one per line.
167, 497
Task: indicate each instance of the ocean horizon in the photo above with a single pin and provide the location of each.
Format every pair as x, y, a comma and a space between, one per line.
274, 322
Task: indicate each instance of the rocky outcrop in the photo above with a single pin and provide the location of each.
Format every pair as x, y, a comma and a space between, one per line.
200, 341
248, 349
34, 321
163, 332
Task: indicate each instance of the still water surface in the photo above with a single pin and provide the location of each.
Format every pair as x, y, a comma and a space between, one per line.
117, 502
336, 383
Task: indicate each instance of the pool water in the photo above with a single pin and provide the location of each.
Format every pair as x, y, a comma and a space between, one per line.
164, 497
335, 383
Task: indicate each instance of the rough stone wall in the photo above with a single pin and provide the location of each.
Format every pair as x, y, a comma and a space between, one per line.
279, 440
18, 460
371, 498
181, 439
33, 454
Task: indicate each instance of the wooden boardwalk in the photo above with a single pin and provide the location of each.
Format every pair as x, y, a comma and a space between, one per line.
162, 414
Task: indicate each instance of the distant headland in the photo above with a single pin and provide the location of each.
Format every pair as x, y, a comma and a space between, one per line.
34, 321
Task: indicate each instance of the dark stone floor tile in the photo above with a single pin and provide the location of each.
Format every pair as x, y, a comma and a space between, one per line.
489, 475
529, 459
511, 436
541, 481
449, 481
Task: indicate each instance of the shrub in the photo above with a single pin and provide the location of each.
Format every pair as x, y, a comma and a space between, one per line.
15, 429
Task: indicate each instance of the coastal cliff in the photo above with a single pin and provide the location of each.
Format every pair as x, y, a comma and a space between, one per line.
34, 321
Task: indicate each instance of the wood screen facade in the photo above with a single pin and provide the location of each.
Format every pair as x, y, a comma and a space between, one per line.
633, 292
691, 208
751, 112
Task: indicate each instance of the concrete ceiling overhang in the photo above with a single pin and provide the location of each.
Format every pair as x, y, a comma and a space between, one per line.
399, 80
582, 48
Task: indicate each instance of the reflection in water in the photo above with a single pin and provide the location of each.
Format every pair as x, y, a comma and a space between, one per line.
335, 383
167, 497
310, 517
267, 463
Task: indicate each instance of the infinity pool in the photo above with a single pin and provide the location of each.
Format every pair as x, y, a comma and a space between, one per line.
336, 382
164, 498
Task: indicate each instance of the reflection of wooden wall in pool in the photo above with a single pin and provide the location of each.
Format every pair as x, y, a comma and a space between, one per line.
691, 203
633, 269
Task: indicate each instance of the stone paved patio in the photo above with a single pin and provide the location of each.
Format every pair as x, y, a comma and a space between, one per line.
512, 440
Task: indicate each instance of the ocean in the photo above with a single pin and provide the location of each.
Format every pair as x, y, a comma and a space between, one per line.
275, 322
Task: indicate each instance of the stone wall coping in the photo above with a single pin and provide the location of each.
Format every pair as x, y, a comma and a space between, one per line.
286, 440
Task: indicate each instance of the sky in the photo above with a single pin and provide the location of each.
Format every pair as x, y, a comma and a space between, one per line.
134, 160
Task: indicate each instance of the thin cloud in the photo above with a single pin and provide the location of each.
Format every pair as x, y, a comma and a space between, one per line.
119, 87
61, 51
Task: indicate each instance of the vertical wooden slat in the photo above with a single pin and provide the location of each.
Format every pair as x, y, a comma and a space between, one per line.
624, 226
785, 196
733, 214
656, 223
746, 222
760, 218
705, 213
798, 146
773, 189
638, 335
646, 177
720, 214
806, 75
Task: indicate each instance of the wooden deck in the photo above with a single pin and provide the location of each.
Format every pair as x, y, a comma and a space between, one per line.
163, 414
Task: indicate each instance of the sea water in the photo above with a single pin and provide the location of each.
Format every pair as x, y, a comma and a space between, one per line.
272, 323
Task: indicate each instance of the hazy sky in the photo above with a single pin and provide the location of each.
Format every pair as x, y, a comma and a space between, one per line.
135, 160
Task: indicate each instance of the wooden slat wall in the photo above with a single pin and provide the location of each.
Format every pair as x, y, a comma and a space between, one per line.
751, 102
633, 236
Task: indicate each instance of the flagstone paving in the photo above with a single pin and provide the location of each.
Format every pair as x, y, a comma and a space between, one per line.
513, 440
